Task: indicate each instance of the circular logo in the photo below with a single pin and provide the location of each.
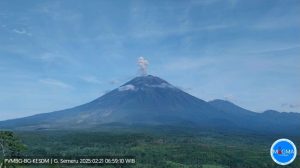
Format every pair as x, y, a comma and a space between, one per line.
283, 151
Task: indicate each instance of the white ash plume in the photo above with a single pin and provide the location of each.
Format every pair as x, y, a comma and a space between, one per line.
143, 64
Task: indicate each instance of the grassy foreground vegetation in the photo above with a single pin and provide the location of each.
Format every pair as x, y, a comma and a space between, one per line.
162, 148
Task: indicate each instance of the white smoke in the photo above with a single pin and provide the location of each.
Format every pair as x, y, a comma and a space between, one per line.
143, 64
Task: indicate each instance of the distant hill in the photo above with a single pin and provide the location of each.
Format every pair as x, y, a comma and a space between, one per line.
149, 100
230, 107
269, 121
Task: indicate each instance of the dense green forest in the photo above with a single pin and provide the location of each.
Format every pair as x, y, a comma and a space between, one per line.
152, 148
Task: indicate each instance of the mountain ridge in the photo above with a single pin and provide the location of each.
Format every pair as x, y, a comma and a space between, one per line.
150, 100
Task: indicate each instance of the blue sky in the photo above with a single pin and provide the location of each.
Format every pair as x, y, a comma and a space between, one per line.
59, 54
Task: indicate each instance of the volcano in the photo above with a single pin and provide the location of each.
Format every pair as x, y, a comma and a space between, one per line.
150, 100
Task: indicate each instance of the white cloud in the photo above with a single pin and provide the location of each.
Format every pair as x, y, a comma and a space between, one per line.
49, 57
57, 57
126, 87
91, 79
276, 48
22, 32
56, 83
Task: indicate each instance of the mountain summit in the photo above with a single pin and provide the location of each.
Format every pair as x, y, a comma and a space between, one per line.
148, 81
150, 100
145, 82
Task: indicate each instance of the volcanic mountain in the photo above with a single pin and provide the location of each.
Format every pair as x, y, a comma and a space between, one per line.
149, 100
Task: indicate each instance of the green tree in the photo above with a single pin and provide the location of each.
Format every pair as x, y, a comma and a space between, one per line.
10, 145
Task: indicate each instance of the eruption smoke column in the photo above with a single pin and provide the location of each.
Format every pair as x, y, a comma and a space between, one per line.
143, 64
